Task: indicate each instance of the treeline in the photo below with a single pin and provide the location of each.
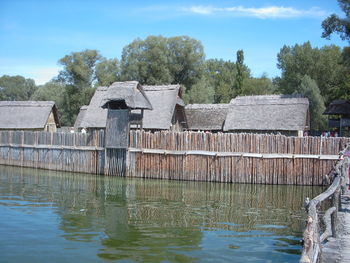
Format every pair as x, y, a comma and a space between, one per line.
320, 74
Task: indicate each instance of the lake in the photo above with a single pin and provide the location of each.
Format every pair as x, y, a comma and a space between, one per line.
48, 216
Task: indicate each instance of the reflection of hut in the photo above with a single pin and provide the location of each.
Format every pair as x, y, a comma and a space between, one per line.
338, 113
206, 117
168, 108
285, 114
29, 115
120, 95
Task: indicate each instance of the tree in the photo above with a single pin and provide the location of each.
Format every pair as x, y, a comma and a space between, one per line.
78, 76
186, 60
335, 24
16, 88
201, 92
308, 88
240, 72
160, 60
107, 71
221, 75
147, 61
341, 26
258, 86
79, 68
53, 91
322, 65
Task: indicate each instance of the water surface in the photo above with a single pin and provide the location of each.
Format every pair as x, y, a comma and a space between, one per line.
48, 216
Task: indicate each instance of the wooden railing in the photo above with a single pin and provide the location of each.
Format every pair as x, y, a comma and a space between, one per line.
312, 237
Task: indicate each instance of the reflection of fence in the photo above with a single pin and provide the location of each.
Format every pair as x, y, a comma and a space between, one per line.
73, 152
312, 237
228, 157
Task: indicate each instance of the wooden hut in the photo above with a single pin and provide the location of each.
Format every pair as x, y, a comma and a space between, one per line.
120, 95
338, 113
285, 114
168, 108
29, 115
206, 117
119, 99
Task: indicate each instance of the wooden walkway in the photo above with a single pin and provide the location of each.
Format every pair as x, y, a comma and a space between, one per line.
337, 250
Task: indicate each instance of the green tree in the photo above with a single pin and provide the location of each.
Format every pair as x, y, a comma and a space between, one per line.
240, 72
341, 26
258, 86
53, 91
147, 61
78, 76
16, 88
107, 71
160, 60
186, 60
201, 92
308, 88
335, 24
322, 65
79, 68
221, 75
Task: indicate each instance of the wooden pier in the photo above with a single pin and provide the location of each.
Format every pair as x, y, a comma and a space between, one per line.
330, 242
337, 249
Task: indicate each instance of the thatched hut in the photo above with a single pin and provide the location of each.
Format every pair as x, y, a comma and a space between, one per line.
285, 114
29, 115
80, 117
168, 108
338, 113
120, 95
206, 117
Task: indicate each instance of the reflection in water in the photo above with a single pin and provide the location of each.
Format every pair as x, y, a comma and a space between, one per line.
96, 218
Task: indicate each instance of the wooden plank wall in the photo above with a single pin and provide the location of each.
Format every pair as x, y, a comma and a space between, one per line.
233, 169
74, 152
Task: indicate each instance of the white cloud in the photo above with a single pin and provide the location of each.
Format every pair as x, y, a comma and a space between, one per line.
263, 12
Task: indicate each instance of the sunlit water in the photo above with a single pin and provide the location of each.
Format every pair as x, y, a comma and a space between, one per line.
47, 216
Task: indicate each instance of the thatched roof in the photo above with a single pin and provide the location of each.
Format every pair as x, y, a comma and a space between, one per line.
129, 91
26, 114
163, 98
80, 116
338, 107
206, 116
268, 113
95, 116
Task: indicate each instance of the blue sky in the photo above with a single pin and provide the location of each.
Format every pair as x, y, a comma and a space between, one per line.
34, 35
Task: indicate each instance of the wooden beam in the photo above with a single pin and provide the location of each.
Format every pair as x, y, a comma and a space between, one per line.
236, 154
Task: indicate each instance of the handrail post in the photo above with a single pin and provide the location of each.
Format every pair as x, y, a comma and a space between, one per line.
334, 216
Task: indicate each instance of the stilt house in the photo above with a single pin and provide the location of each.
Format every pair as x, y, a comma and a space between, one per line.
29, 115
120, 95
338, 113
168, 108
285, 114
